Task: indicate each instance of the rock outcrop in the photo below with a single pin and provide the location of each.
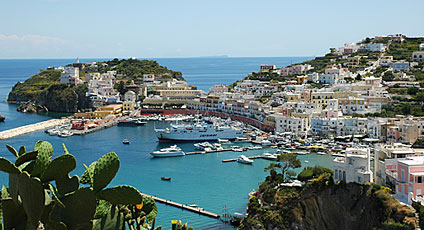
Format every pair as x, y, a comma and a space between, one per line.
326, 206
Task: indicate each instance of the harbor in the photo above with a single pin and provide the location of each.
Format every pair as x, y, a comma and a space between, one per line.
6, 134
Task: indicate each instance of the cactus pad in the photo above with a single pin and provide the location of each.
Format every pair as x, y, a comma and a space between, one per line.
79, 210
22, 150
65, 150
14, 216
123, 194
32, 194
66, 185
150, 208
8, 167
55, 196
59, 167
105, 170
87, 176
114, 220
102, 208
45, 152
29, 156
12, 150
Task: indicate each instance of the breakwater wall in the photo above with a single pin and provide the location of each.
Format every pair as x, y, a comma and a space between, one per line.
6, 134
247, 120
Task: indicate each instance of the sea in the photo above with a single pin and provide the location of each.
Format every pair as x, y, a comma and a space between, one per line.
203, 179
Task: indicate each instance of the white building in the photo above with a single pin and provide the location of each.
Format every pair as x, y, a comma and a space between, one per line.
130, 96
218, 89
355, 166
148, 77
374, 47
296, 125
386, 60
70, 75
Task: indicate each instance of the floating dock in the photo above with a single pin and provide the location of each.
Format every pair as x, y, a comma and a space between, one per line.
200, 211
212, 151
235, 159
32, 128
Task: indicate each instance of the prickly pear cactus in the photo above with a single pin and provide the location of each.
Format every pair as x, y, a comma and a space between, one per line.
150, 208
114, 220
102, 209
67, 185
105, 170
12, 150
45, 152
25, 157
8, 167
14, 216
87, 176
123, 194
32, 194
79, 210
59, 167
22, 150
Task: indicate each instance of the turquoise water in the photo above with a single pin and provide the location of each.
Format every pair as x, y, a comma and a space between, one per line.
198, 179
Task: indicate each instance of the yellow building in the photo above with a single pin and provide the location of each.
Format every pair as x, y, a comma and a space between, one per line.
302, 79
321, 98
293, 96
345, 94
128, 106
270, 120
102, 112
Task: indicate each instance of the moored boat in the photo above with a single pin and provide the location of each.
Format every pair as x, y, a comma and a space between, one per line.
173, 151
269, 156
166, 178
244, 160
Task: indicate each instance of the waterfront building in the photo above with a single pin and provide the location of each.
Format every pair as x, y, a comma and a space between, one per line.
354, 166
296, 125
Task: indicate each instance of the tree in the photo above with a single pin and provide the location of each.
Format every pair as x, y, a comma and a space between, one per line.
288, 161
358, 77
121, 88
420, 97
388, 76
412, 90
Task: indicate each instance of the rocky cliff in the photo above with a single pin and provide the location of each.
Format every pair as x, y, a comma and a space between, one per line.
321, 205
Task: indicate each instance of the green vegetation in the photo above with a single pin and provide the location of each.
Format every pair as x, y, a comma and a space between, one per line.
404, 50
404, 108
33, 86
289, 162
32, 201
313, 206
134, 69
419, 143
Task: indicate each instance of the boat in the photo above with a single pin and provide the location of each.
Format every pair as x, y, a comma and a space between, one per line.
126, 141
321, 153
226, 141
269, 156
65, 133
237, 149
199, 131
244, 160
131, 122
173, 151
241, 139
2, 118
166, 178
193, 205
266, 143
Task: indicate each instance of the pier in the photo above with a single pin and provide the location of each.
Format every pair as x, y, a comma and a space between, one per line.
212, 151
198, 210
235, 159
6, 134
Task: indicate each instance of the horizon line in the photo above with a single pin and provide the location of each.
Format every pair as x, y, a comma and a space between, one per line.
144, 58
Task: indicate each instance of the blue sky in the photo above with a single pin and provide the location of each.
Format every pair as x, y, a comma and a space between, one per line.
191, 28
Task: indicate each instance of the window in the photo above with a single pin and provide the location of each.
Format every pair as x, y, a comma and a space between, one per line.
420, 179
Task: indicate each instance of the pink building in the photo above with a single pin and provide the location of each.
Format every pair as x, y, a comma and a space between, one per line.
410, 174
285, 71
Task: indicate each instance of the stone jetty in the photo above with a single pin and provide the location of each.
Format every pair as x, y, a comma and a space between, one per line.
6, 134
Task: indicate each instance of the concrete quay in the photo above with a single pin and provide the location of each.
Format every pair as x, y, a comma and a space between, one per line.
6, 134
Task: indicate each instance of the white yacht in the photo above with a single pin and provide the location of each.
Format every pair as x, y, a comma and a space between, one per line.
244, 160
173, 151
269, 156
266, 143
204, 131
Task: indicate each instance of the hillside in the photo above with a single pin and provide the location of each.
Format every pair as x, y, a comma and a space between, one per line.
134, 69
321, 205
43, 92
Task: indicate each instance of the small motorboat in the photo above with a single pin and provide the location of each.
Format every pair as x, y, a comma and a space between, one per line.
269, 156
2, 118
244, 160
166, 178
173, 151
193, 205
126, 141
